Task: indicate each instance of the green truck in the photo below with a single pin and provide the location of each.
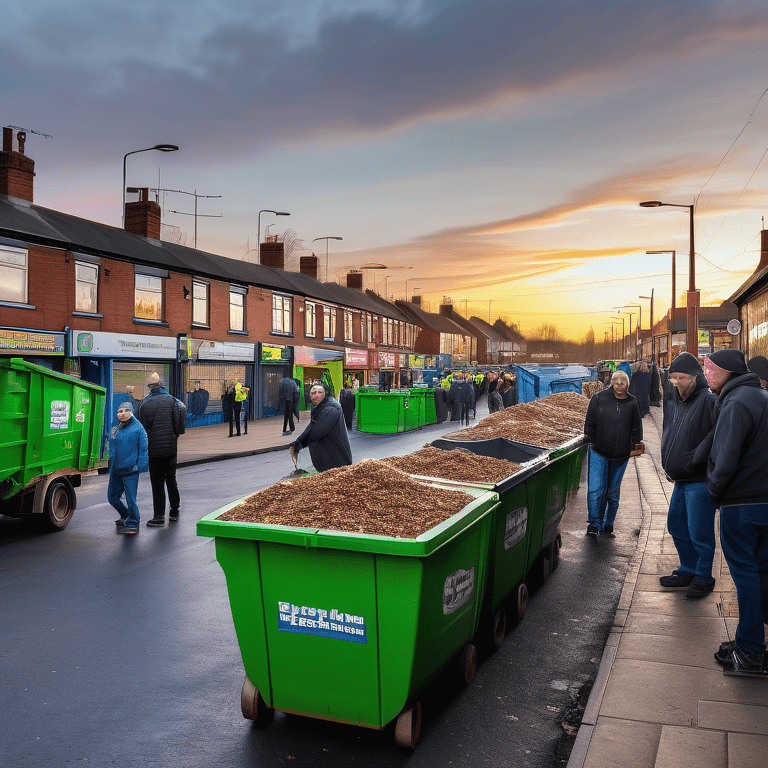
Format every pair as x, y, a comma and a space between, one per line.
51, 428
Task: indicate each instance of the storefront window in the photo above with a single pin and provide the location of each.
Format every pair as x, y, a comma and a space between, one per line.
755, 317
310, 319
86, 287
199, 303
206, 382
129, 381
149, 297
281, 314
13, 275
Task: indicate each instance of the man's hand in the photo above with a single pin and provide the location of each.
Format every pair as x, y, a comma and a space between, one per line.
294, 453
639, 450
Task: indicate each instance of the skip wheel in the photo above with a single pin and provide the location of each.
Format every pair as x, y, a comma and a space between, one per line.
499, 627
522, 601
408, 727
253, 706
555, 554
469, 663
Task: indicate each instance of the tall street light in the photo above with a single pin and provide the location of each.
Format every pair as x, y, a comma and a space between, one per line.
326, 251
159, 148
639, 325
693, 299
613, 340
651, 320
258, 227
623, 331
674, 290
406, 286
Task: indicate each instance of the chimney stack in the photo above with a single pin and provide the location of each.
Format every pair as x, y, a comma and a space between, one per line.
142, 217
763, 250
355, 280
416, 299
16, 170
308, 266
446, 310
272, 255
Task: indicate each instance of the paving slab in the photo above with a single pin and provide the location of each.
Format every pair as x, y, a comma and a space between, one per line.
696, 652
747, 751
727, 716
684, 627
691, 748
673, 602
625, 743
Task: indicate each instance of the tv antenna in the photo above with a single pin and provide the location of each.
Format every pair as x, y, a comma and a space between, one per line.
29, 130
195, 214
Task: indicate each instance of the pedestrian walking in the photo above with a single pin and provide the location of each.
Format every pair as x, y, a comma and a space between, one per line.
326, 436
507, 392
288, 393
241, 409
127, 459
613, 428
347, 402
640, 387
689, 416
737, 482
162, 416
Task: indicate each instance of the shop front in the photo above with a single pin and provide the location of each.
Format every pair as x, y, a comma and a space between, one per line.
386, 378
44, 348
318, 364
121, 363
211, 370
356, 367
275, 363
424, 369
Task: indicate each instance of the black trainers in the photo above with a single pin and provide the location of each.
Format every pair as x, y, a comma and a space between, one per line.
127, 531
156, 522
676, 579
607, 528
173, 515
120, 521
740, 663
723, 653
699, 588
592, 530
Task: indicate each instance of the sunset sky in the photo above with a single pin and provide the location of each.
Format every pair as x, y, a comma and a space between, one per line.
498, 149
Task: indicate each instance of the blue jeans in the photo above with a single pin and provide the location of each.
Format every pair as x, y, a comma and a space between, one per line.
691, 523
604, 480
128, 485
744, 537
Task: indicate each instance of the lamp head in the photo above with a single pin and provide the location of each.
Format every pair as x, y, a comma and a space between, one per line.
282, 213
651, 204
165, 147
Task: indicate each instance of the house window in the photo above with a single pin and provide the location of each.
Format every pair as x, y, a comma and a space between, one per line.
281, 314
86, 287
347, 326
329, 323
199, 303
310, 319
149, 297
236, 308
13, 275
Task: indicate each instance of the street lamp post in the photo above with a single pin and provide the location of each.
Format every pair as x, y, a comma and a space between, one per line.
258, 227
693, 299
651, 320
672, 319
639, 325
613, 340
406, 286
159, 148
331, 237
622, 334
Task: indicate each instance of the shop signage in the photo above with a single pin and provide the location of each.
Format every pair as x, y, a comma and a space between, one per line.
703, 337
356, 358
98, 344
402, 360
30, 341
224, 350
458, 588
386, 359
323, 622
416, 361
275, 353
315, 355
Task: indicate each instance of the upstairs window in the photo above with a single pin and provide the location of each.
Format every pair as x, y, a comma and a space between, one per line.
149, 297
199, 303
329, 323
13, 275
347, 326
310, 319
282, 307
236, 308
86, 287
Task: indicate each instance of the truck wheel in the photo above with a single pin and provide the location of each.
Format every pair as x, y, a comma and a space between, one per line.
408, 727
253, 706
522, 601
59, 506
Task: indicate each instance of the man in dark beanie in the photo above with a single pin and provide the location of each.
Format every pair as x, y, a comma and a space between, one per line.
689, 415
737, 482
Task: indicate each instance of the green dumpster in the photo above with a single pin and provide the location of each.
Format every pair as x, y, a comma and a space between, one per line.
414, 409
430, 413
381, 413
352, 627
517, 519
50, 432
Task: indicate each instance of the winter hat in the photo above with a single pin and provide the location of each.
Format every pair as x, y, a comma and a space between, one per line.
759, 365
154, 380
685, 362
729, 360
126, 406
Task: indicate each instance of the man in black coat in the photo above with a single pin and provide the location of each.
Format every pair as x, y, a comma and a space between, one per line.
347, 402
737, 481
689, 416
326, 436
288, 393
160, 414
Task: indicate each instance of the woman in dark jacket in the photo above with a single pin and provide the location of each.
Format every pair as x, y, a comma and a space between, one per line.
326, 436
613, 429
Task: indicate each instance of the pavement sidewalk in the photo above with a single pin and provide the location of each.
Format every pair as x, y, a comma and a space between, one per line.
660, 699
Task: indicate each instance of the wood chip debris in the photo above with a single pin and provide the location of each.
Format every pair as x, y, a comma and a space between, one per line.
547, 422
369, 497
458, 464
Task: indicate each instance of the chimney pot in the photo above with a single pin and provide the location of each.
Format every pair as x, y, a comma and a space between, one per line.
272, 255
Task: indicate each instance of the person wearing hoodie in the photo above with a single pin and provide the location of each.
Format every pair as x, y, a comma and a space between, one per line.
128, 456
326, 436
689, 416
613, 428
737, 482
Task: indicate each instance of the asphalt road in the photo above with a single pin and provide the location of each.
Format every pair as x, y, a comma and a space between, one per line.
120, 651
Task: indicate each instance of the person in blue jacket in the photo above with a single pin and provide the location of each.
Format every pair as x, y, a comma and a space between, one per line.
128, 456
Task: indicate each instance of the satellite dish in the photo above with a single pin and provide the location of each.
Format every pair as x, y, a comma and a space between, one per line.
733, 327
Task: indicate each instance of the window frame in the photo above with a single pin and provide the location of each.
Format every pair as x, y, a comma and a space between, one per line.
24, 269
161, 292
348, 326
242, 291
285, 310
207, 303
310, 319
